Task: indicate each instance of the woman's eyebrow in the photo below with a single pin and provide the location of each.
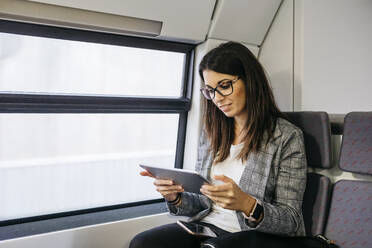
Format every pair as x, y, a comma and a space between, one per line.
225, 79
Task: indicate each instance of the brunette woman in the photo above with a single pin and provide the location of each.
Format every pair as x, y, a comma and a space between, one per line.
253, 156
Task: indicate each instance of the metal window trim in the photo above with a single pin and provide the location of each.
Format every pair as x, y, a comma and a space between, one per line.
64, 33
23, 227
182, 125
76, 212
58, 103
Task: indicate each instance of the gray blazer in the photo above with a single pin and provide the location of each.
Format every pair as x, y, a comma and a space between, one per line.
276, 175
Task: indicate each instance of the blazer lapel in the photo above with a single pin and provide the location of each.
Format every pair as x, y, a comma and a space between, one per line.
258, 166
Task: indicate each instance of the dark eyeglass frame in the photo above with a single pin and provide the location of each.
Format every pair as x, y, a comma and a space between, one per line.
229, 81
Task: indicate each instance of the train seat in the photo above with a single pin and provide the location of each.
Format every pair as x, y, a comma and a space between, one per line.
350, 218
317, 137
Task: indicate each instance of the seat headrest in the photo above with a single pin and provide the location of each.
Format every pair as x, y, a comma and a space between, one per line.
317, 135
356, 147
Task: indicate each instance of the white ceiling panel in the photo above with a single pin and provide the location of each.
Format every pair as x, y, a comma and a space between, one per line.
243, 20
181, 20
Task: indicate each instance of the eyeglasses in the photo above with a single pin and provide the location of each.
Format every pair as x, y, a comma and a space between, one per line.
224, 88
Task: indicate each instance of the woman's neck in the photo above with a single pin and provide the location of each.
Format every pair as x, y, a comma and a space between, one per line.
239, 124
240, 121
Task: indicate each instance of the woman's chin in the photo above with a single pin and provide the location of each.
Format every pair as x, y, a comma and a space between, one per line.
228, 114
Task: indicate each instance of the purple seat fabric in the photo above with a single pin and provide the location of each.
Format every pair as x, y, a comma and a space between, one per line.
350, 217
315, 204
317, 135
356, 148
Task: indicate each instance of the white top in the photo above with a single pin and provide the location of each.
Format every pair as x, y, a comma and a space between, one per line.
233, 168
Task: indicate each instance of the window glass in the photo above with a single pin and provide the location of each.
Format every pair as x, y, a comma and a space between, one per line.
46, 65
53, 163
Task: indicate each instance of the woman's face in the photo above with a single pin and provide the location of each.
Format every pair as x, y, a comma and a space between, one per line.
232, 105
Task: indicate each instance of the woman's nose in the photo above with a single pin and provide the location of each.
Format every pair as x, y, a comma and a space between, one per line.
218, 97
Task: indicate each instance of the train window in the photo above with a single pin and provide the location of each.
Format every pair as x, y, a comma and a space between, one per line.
79, 110
46, 65
63, 162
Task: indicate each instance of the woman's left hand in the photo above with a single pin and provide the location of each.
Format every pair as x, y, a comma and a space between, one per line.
229, 195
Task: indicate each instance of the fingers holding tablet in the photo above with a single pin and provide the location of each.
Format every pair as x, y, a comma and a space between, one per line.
167, 188
146, 173
169, 192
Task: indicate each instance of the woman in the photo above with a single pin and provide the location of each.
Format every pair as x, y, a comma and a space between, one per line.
254, 157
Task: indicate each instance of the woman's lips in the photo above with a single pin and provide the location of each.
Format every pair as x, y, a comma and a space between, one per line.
225, 107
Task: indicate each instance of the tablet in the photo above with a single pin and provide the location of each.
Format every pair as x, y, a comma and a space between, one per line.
190, 180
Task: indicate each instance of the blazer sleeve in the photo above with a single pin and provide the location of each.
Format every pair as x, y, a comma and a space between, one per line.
191, 203
284, 214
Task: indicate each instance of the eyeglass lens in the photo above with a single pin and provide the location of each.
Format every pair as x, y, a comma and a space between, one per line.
224, 88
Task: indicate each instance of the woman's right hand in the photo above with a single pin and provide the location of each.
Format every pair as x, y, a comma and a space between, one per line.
167, 188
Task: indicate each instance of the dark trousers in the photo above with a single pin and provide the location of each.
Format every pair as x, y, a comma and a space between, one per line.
166, 236
173, 236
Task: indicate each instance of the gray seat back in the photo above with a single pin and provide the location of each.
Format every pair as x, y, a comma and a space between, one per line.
315, 204
317, 135
316, 129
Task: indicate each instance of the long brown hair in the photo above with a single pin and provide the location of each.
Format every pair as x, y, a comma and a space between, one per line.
235, 59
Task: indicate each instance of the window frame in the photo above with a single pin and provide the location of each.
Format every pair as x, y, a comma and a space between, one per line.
88, 103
